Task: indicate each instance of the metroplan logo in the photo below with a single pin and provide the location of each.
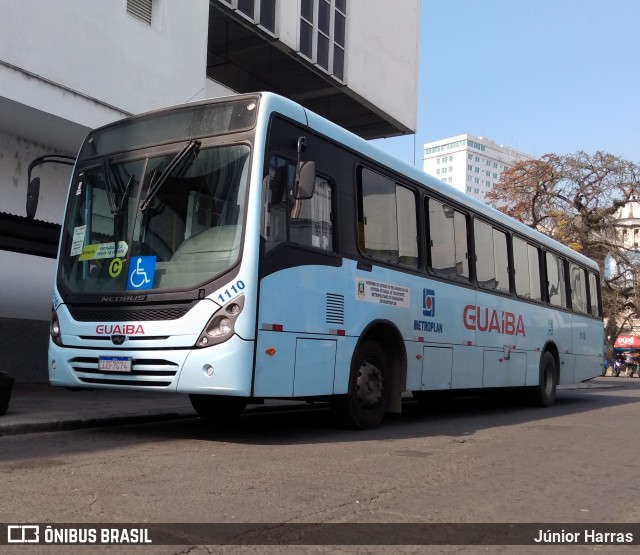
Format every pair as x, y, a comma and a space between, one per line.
429, 302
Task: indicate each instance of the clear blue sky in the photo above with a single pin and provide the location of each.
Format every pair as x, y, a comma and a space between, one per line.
542, 76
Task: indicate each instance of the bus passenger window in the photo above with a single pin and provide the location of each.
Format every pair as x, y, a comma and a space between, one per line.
407, 227
387, 223
492, 261
448, 244
527, 270
594, 306
556, 288
578, 289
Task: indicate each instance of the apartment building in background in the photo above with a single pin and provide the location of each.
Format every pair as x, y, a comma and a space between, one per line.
471, 164
71, 65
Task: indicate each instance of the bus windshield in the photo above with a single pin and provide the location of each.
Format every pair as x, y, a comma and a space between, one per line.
170, 221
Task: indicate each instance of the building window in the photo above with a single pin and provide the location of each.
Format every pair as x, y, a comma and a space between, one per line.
323, 34
140, 9
260, 12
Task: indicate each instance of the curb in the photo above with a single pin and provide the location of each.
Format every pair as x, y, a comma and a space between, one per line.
24, 428
82, 423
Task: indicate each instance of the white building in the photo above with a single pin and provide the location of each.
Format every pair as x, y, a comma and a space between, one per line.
72, 65
470, 164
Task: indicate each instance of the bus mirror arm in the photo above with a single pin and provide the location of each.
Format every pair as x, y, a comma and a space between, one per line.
33, 185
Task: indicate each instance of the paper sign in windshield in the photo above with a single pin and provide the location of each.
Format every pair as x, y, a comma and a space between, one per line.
78, 240
103, 250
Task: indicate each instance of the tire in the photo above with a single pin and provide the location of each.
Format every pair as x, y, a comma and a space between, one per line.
367, 401
217, 407
544, 394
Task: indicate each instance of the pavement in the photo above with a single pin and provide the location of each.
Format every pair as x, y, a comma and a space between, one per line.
40, 407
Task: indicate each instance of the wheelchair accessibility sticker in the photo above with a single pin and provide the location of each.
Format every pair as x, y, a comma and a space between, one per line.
141, 272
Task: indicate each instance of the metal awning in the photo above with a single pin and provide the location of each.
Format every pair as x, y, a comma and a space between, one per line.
243, 57
20, 234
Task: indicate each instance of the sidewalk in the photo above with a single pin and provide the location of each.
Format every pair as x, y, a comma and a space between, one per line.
43, 408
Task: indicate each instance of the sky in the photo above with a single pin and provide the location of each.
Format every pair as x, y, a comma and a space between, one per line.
541, 76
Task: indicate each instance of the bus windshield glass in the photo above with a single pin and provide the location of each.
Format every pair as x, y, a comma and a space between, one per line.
161, 222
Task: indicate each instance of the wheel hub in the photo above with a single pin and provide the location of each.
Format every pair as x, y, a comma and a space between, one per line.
369, 384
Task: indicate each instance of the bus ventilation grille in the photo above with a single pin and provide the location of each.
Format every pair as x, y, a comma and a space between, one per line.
97, 314
335, 309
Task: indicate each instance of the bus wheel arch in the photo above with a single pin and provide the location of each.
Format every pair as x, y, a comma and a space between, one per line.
376, 378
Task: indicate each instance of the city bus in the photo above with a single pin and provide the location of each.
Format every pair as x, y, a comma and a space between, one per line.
244, 248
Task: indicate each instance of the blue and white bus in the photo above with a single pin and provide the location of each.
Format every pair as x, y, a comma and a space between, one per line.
245, 248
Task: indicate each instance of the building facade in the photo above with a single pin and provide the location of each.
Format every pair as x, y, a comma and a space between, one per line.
470, 164
69, 66
627, 220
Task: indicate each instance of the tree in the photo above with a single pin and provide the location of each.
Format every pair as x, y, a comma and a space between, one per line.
576, 200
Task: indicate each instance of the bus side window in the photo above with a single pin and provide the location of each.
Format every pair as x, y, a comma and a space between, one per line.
556, 286
526, 262
448, 246
387, 223
578, 289
313, 224
280, 181
594, 306
492, 258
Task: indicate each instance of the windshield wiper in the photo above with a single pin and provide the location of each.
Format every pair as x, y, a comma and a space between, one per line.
113, 190
111, 194
191, 148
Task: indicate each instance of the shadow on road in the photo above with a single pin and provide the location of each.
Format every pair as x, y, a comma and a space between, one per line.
461, 417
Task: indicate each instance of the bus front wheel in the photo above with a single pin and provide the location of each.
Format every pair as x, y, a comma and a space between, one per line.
217, 407
367, 401
544, 394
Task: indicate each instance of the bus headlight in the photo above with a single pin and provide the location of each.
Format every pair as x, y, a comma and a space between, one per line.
56, 333
221, 326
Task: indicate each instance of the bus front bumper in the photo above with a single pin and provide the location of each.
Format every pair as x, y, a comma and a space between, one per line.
224, 369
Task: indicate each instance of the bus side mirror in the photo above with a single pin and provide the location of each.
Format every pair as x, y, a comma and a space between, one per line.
33, 195
305, 180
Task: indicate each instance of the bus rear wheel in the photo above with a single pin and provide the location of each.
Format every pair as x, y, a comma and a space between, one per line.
217, 407
367, 401
544, 394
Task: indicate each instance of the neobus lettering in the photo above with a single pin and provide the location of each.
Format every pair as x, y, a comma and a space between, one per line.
490, 320
117, 329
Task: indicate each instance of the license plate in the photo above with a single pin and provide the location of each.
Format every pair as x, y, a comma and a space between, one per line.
114, 364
